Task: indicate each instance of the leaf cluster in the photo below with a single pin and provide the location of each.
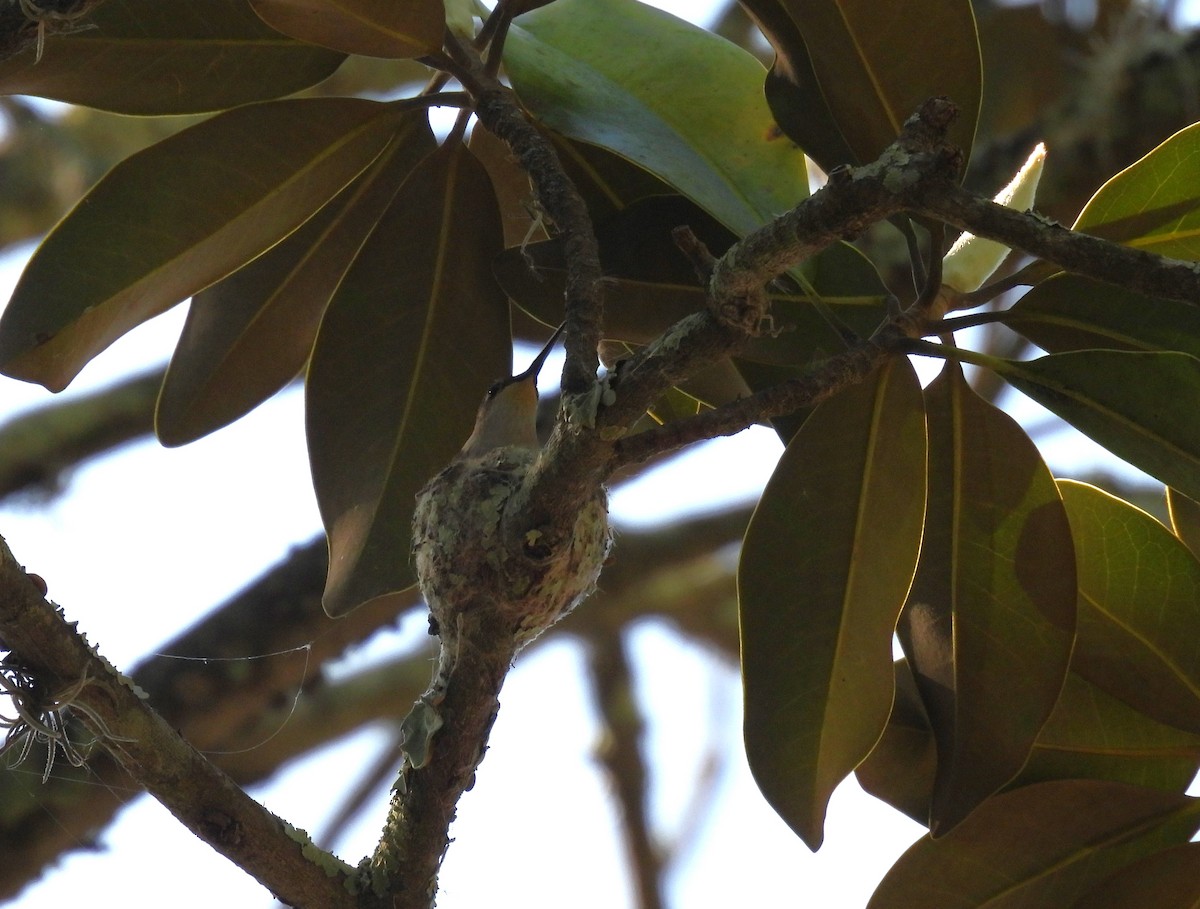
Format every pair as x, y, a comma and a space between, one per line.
1044, 720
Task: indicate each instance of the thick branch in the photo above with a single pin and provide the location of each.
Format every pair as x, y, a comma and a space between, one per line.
202, 797
213, 696
405, 866
236, 706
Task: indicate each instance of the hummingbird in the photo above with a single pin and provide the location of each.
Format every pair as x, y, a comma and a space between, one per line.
473, 553
508, 414
492, 581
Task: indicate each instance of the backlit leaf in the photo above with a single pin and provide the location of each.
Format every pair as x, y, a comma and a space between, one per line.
154, 57
175, 217
1093, 735
1139, 631
1041, 845
1090, 735
679, 101
1070, 312
846, 78
990, 618
251, 333
375, 28
825, 567
793, 91
1164, 880
1140, 406
1185, 519
717, 384
1154, 204
674, 405
407, 348
901, 768
606, 182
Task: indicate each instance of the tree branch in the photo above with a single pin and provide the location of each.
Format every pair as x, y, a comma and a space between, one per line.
824, 380
851, 201
201, 796
37, 447
1072, 251
231, 715
555, 194
403, 872
916, 174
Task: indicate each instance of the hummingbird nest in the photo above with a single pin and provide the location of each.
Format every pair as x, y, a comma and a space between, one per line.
470, 556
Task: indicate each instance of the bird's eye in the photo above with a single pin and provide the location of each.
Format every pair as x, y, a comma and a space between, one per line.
494, 390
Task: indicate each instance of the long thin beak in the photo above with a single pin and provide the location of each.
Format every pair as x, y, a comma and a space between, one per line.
536, 366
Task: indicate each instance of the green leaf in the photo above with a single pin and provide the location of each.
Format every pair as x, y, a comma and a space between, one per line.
1093, 735
844, 79
793, 91
715, 385
654, 286
825, 567
901, 768
676, 99
1185, 519
175, 217
1090, 735
606, 181
375, 28
1154, 204
1140, 406
1070, 312
153, 57
1139, 632
990, 619
1164, 880
250, 334
407, 348
674, 405
1041, 845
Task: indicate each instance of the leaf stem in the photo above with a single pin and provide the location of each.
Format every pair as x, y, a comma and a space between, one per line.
924, 348
958, 323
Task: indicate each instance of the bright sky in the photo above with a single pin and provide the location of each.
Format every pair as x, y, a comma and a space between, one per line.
146, 541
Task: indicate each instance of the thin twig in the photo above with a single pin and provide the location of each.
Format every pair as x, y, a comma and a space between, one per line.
557, 196
1076, 252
